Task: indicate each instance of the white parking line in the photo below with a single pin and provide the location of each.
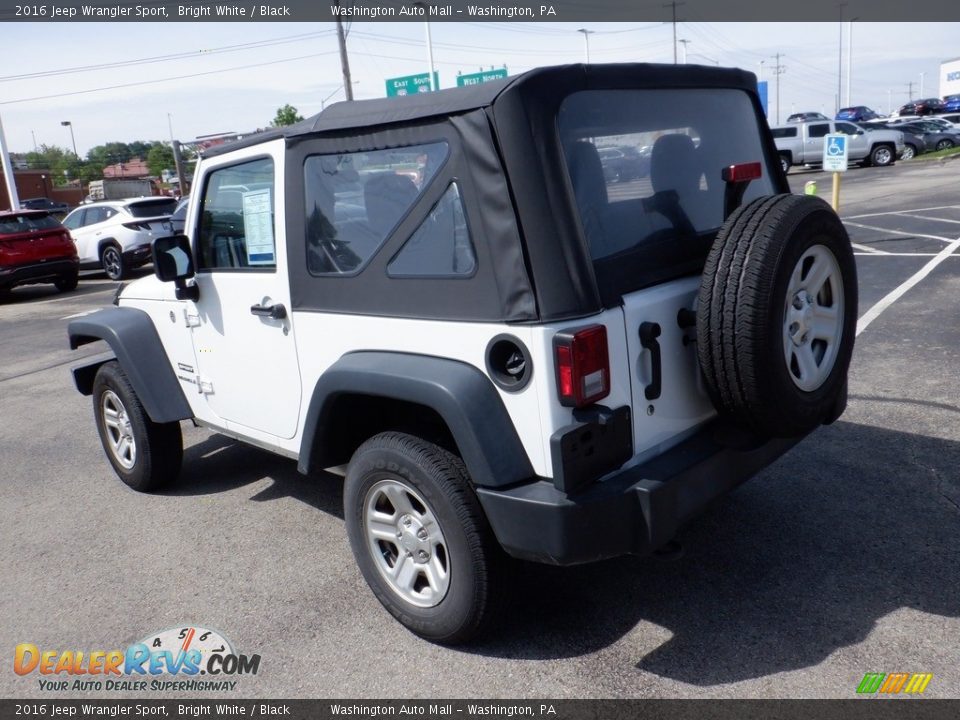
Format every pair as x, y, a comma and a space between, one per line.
896, 255
868, 250
80, 314
898, 292
929, 217
899, 232
900, 212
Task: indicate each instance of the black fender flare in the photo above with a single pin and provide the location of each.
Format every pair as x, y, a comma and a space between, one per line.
135, 343
463, 396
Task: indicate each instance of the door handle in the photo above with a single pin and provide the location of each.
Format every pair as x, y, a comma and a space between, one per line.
274, 312
649, 332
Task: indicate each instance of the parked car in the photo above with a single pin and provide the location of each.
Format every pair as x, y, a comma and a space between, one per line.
51, 206
951, 104
116, 235
506, 357
802, 143
624, 162
857, 113
804, 116
36, 248
927, 106
913, 145
934, 137
951, 117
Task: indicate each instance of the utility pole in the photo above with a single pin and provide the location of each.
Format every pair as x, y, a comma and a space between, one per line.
778, 70
910, 90
685, 43
673, 4
921, 84
586, 42
344, 61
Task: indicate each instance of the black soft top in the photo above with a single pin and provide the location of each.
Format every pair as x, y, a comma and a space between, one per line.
531, 86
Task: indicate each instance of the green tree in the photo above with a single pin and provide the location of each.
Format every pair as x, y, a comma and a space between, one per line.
160, 158
287, 115
110, 154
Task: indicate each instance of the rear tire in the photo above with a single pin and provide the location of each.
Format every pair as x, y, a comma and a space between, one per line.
944, 144
67, 282
420, 537
909, 152
777, 314
111, 259
144, 454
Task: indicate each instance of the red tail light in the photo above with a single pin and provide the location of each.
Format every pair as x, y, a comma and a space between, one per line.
583, 365
742, 172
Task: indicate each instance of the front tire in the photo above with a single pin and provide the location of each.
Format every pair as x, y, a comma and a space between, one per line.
881, 156
944, 144
785, 164
144, 454
909, 152
420, 537
111, 259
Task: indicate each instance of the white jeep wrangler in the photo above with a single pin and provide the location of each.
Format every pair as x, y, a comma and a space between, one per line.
442, 294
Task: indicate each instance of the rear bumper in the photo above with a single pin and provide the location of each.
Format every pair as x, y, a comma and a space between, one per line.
38, 272
633, 511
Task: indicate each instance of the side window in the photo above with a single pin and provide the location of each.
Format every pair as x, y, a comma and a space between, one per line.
74, 220
355, 200
441, 246
847, 128
819, 131
236, 218
95, 215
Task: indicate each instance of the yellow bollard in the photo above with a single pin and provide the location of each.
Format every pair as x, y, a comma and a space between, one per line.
810, 187
836, 192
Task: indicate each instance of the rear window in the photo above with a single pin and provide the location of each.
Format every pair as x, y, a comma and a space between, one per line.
10, 224
654, 218
784, 132
152, 208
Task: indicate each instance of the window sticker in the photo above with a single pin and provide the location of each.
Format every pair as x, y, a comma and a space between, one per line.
258, 227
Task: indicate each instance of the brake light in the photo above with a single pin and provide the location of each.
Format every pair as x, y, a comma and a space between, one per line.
742, 172
583, 365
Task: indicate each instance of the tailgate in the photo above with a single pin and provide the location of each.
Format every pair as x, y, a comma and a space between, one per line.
666, 415
30, 247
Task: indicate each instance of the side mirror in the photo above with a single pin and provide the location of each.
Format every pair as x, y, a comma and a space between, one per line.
172, 262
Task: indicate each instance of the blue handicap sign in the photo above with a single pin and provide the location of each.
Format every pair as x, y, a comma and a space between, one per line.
837, 146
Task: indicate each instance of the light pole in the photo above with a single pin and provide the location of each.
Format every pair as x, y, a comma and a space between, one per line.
586, 42
67, 123
684, 43
760, 74
849, 59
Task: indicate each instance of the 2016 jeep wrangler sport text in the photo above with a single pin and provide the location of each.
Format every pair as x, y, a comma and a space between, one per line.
505, 351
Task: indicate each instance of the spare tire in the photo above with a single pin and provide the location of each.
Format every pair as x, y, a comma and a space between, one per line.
776, 315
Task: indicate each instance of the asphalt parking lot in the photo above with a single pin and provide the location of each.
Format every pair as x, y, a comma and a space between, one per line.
841, 559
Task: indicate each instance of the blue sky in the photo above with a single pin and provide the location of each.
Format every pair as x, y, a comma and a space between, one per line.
242, 72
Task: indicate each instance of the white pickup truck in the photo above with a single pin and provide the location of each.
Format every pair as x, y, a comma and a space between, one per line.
802, 143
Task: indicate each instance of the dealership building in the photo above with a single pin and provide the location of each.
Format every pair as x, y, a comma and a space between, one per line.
950, 77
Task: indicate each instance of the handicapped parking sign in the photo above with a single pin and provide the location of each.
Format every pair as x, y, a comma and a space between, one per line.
835, 152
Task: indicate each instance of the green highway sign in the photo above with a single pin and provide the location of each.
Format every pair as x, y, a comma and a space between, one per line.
411, 84
481, 77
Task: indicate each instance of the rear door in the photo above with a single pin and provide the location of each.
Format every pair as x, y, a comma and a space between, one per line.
813, 142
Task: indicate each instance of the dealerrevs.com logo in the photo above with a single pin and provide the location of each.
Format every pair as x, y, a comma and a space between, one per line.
170, 660
894, 683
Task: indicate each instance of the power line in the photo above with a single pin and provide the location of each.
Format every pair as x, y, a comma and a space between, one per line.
165, 58
169, 79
